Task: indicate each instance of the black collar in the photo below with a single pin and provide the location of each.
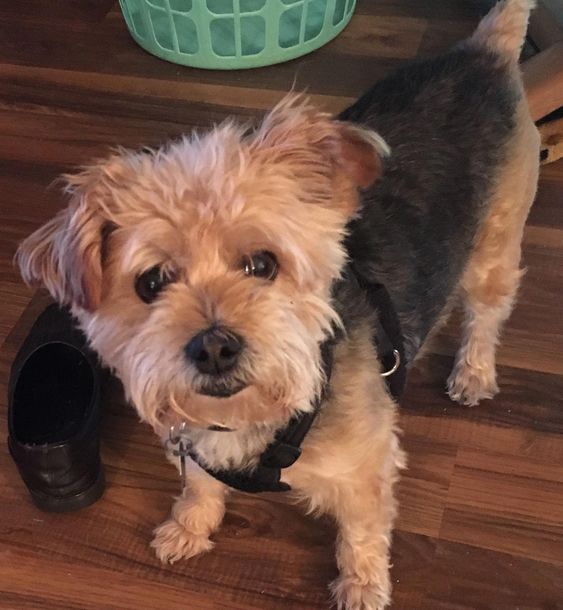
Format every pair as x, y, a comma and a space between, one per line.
285, 449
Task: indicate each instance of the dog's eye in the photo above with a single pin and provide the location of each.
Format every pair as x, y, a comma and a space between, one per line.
261, 264
149, 284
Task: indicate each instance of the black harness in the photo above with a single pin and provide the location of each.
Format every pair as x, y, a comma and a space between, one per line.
285, 449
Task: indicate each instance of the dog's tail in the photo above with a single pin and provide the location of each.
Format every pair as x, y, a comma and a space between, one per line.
503, 29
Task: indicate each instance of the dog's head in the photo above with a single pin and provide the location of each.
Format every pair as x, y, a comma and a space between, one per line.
201, 272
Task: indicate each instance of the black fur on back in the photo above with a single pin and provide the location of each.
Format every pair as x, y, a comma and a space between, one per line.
447, 121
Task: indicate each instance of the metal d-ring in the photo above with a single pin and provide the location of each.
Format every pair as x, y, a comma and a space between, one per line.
396, 364
175, 435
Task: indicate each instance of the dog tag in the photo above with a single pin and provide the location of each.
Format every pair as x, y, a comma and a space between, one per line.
183, 452
179, 446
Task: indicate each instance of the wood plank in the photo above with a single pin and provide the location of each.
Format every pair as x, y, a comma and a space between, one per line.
423, 487
381, 36
465, 577
133, 92
528, 401
492, 494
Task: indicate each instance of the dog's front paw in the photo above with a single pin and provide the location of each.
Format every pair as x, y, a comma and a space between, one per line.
350, 594
172, 542
468, 385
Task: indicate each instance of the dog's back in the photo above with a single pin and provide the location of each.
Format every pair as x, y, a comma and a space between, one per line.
449, 122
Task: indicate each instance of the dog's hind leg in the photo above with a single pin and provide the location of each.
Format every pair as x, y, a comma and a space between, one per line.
491, 279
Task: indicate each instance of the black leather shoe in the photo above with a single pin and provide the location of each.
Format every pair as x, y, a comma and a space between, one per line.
54, 413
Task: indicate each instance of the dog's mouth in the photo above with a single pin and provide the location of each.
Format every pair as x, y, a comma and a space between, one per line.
221, 389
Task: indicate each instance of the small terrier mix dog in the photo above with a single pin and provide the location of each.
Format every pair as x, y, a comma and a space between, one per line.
212, 274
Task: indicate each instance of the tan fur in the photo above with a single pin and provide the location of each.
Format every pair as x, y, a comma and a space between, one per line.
195, 516
195, 208
286, 189
503, 29
354, 483
552, 140
492, 277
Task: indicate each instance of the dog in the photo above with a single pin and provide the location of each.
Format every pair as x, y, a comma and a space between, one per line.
236, 282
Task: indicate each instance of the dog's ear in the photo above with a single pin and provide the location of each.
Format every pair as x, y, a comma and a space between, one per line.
65, 255
360, 152
295, 127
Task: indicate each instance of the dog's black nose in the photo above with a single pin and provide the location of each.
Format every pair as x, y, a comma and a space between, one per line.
214, 351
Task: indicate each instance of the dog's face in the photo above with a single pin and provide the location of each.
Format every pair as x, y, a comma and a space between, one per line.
202, 272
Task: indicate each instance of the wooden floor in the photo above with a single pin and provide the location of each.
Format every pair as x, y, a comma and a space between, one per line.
481, 522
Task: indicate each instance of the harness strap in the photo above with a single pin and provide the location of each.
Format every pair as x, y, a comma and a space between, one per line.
285, 449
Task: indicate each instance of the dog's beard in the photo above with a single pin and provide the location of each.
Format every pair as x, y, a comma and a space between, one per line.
278, 373
220, 388
165, 394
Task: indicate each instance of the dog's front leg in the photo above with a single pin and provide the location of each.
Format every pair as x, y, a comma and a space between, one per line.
196, 514
365, 517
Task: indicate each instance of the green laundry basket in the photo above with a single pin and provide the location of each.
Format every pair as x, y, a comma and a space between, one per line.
234, 34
